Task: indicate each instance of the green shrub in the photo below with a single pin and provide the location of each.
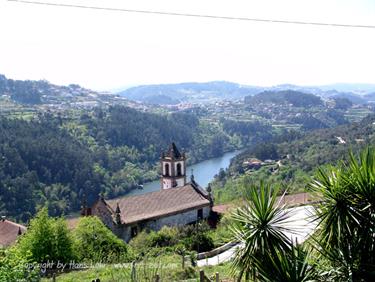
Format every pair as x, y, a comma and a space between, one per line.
14, 266
222, 234
146, 241
141, 243
196, 237
200, 242
167, 236
94, 242
46, 239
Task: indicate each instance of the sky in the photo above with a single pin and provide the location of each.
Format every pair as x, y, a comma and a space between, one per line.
106, 50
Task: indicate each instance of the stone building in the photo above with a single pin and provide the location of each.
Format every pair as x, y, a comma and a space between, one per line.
178, 202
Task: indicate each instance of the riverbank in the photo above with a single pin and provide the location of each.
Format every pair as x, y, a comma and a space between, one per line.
203, 172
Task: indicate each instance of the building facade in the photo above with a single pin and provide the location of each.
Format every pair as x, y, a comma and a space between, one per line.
178, 202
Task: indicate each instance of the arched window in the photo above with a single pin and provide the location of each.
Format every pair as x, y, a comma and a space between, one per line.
179, 169
166, 170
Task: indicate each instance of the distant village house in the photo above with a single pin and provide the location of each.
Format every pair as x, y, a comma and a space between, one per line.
9, 232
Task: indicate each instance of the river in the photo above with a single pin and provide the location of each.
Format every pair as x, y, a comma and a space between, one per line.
203, 172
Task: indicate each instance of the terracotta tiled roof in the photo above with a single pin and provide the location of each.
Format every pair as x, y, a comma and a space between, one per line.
288, 200
9, 232
160, 203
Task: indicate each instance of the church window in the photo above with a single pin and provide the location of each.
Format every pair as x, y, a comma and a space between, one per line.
179, 169
166, 168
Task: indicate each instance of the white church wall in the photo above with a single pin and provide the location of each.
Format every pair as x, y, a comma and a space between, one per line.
177, 219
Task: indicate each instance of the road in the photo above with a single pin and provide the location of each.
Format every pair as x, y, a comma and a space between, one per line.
299, 222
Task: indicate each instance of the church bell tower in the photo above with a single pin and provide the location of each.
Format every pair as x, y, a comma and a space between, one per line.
173, 168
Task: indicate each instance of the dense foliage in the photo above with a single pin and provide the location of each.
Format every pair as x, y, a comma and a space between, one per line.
46, 239
49, 246
342, 103
39, 162
94, 242
190, 238
296, 98
324, 119
295, 158
59, 159
343, 245
346, 217
15, 267
22, 91
250, 132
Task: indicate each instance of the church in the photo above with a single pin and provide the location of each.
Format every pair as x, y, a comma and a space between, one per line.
178, 202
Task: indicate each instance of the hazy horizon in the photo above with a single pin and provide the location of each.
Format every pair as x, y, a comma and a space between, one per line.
104, 50
123, 88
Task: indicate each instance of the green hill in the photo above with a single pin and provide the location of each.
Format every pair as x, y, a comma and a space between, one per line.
25, 92
295, 98
56, 159
295, 157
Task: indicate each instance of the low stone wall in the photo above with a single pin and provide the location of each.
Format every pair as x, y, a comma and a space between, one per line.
216, 251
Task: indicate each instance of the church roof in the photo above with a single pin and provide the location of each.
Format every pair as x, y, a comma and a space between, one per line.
9, 232
161, 203
173, 152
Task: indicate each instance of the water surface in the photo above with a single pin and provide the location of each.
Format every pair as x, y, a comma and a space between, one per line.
203, 172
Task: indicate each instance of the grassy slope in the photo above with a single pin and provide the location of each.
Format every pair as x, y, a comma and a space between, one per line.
168, 267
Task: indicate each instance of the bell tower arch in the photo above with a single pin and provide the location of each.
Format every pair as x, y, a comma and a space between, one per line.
173, 168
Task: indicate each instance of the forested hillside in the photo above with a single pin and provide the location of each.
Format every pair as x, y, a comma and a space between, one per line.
297, 109
290, 159
297, 99
57, 159
34, 95
40, 161
27, 92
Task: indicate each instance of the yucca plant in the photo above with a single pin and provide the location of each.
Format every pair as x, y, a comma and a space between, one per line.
294, 265
346, 216
259, 226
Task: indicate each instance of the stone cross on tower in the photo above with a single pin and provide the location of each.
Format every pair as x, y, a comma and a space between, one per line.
173, 168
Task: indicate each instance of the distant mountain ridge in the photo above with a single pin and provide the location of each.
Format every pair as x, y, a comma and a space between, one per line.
183, 92
31, 92
218, 90
42, 95
356, 88
40, 91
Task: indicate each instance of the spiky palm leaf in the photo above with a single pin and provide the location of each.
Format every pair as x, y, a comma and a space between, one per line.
336, 215
259, 226
346, 216
291, 266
